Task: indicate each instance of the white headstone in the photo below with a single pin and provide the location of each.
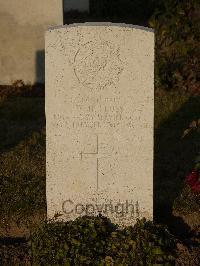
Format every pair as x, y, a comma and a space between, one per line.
99, 111
22, 28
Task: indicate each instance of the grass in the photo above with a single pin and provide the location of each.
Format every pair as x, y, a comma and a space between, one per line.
22, 153
173, 156
166, 104
22, 159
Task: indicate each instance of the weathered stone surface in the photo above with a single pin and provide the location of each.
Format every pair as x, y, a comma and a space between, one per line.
22, 28
99, 110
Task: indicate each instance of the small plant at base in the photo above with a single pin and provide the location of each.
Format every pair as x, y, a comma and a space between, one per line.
96, 241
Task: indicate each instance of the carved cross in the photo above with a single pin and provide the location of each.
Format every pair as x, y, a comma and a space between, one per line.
96, 155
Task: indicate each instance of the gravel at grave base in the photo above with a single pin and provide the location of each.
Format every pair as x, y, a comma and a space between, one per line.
18, 254
188, 257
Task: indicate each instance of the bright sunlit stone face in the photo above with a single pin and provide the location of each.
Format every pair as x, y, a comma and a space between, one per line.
99, 110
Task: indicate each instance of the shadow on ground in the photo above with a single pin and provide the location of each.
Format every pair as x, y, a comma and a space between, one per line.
19, 118
22, 164
22, 167
173, 159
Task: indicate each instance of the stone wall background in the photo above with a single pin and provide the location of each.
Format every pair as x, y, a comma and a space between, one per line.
22, 27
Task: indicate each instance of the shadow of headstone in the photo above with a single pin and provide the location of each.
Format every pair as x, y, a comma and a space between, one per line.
20, 117
173, 158
40, 67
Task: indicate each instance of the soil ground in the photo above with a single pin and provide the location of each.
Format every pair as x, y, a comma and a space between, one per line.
22, 169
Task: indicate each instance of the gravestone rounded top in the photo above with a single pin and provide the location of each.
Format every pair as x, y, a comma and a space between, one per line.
103, 24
